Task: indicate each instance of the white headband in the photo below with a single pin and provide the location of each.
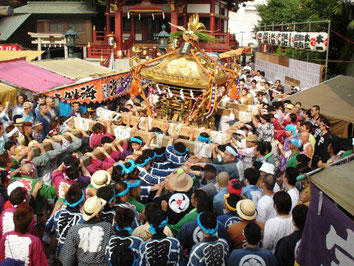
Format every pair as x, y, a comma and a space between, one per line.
231, 150
12, 132
68, 120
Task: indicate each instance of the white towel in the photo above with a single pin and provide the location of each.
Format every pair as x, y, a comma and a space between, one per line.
202, 149
121, 133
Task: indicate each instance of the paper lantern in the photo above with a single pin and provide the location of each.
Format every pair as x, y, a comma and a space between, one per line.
318, 41
259, 36
298, 40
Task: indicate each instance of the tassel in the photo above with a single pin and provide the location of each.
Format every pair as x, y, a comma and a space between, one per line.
128, 15
153, 17
163, 15
139, 16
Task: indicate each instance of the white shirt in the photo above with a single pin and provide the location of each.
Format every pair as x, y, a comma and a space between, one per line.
265, 208
17, 110
294, 195
247, 155
275, 229
277, 187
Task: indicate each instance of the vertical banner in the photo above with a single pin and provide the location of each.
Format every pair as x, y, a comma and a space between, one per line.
328, 237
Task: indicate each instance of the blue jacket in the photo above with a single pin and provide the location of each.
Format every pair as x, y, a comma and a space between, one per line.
133, 242
229, 219
174, 159
252, 192
45, 123
230, 168
161, 172
61, 222
136, 221
164, 251
149, 179
212, 251
255, 256
219, 201
191, 234
162, 165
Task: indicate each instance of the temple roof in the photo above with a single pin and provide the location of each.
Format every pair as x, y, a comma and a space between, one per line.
59, 7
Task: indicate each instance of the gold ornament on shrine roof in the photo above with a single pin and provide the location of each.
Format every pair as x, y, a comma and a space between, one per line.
195, 31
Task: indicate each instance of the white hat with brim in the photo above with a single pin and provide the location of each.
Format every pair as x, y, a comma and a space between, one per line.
32, 142
13, 186
246, 209
180, 181
267, 168
241, 132
92, 207
27, 105
100, 178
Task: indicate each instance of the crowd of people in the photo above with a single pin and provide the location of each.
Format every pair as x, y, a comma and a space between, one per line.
75, 197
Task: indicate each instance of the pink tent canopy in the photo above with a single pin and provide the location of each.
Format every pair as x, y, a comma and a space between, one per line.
31, 77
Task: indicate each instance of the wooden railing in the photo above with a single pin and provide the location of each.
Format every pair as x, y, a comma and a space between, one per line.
127, 44
97, 51
99, 36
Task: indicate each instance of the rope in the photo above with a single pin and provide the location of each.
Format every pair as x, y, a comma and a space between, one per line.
345, 38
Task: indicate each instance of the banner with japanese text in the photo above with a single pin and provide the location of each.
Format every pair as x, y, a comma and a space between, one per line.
308, 41
98, 90
328, 237
10, 47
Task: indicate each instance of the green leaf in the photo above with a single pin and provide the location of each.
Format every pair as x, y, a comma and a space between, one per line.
175, 34
351, 25
205, 37
338, 8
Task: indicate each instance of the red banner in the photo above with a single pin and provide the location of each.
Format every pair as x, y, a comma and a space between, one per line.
99, 90
10, 47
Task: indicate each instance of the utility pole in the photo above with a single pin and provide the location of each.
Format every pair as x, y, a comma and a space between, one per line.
242, 32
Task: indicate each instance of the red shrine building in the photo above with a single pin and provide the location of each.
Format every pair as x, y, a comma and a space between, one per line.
134, 24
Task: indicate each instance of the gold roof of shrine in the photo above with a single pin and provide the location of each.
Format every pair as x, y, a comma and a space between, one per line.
182, 70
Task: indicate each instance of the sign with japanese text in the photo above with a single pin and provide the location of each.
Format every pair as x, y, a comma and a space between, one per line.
99, 90
328, 236
308, 41
10, 47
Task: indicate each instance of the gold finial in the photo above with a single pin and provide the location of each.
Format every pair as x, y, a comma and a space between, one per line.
195, 30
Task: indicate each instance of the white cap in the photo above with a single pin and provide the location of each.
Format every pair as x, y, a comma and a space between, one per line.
267, 168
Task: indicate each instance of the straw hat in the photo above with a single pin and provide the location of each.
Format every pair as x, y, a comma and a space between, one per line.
180, 181
19, 121
252, 138
32, 142
246, 209
92, 207
289, 106
100, 178
27, 105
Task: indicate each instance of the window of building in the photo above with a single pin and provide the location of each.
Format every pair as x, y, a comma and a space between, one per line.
56, 27
78, 27
126, 24
137, 24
